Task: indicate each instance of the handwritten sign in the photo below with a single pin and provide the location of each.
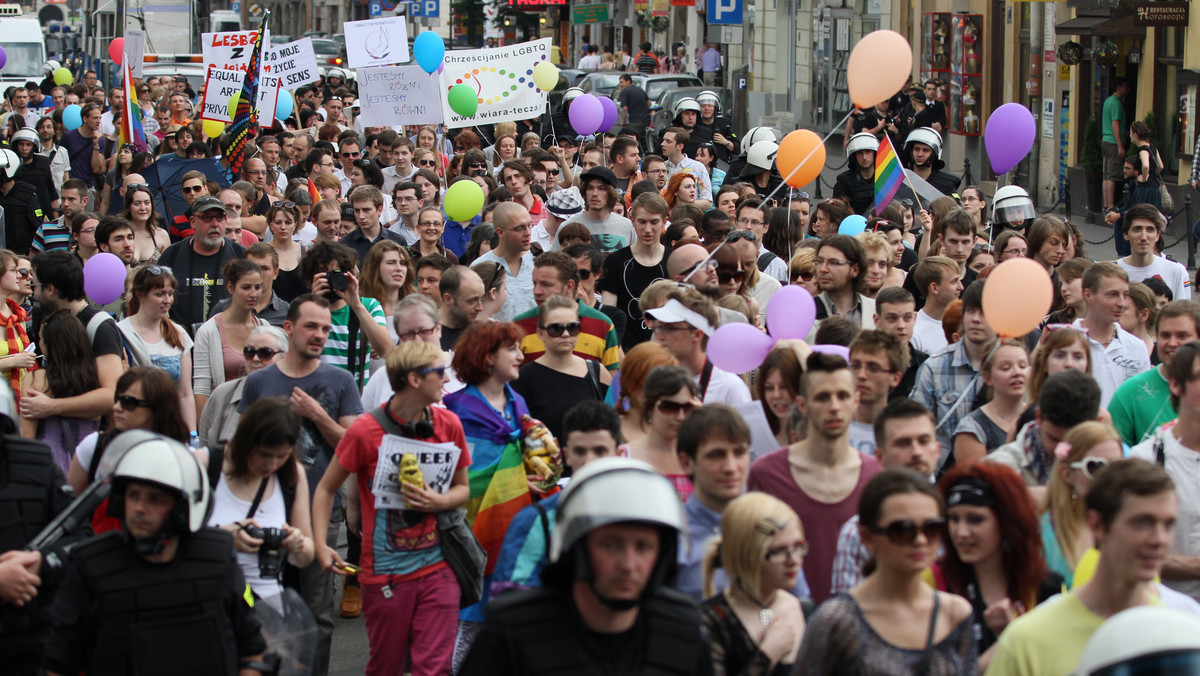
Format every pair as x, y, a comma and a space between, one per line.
135, 50
231, 50
437, 462
294, 63
221, 84
397, 95
376, 42
503, 81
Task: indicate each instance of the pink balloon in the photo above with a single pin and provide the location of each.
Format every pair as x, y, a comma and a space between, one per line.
738, 347
610, 114
104, 278
791, 313
116, 50
586, 113
836, 350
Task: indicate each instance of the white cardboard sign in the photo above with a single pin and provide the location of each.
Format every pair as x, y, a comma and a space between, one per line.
295, 63
397, 95
376, 42
135, 50
502, 78
221, 84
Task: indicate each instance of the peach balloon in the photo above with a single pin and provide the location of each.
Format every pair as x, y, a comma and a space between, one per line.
801, 158
1017, 296
879, 66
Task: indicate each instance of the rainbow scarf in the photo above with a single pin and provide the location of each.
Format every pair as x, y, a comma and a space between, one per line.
497, 474
131, 116
888, 174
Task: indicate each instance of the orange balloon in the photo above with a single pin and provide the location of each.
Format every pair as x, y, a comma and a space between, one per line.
879, 66
1017, 296
801, 158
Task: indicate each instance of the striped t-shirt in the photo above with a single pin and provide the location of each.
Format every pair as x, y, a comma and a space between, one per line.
337, 347
52, 236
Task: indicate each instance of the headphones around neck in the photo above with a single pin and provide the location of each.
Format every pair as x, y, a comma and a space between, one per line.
422, 429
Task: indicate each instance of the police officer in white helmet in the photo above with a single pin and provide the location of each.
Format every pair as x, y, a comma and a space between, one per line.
604, 607
856, 185
923, 154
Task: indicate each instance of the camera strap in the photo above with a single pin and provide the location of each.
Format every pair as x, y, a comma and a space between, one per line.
262, 488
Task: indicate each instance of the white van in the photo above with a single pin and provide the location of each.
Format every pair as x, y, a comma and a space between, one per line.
24, 45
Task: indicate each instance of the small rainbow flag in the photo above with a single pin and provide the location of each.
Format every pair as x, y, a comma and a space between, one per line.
888, 174
131, 114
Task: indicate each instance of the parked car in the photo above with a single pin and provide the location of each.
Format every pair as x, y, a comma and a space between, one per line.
327, 52
567, 78
655, 85
600, 83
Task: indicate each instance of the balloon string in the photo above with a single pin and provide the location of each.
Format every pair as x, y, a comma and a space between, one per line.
807, 157
974, 379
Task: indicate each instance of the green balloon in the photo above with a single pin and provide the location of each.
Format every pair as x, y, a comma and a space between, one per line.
463, 101
463, 200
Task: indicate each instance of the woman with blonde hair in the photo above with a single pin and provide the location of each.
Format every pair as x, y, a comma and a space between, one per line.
803, 269
329, 187
627, 394
754, 625
1085, 450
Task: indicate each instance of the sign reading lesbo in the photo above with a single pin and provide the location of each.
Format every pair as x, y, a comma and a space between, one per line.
228, 54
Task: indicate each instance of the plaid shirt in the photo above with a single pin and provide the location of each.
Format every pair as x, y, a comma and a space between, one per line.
940, 381
848, 559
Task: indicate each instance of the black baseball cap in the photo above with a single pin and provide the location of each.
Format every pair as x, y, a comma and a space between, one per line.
207, 203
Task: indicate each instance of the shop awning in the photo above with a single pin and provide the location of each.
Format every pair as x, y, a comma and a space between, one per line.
1102, 26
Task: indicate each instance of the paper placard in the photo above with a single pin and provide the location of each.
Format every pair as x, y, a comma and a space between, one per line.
437, 461
229, 50
376, 42
295, 63
135, 50
397, 95
221, 84
502, 78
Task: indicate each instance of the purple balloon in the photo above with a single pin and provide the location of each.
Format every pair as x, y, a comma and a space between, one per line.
837, 350
791, 313
104, 278
739, 347
610, 114
3, 57
586, 114
1009, 136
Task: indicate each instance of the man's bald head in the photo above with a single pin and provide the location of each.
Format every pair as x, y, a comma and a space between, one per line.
130, 179
683, 258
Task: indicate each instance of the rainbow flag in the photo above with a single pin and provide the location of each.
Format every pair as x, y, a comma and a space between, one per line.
888, 174
131, 116
245, 120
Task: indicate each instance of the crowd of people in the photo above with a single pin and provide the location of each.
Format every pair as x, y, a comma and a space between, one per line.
318, 348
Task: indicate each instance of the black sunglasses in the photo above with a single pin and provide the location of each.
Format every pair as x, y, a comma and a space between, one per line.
477, 165
668, 407
904, 532
429, 163
727, 277
741, 234
440, 370
585, 274
803, 276
556, 330
263, 353
128, 402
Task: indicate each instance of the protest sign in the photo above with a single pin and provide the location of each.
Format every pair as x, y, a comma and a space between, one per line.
135, 50
376, 42
437, 463
294, 63
502, 78
397, 95
221, 84
230, 51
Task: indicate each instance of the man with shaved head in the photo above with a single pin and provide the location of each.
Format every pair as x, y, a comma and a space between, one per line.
691, 264
514, 228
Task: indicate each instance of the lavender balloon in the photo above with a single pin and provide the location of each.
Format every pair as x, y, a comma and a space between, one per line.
610, 114
104, 278
3, 57
1009, 136
586, 114
738, 347
791, 313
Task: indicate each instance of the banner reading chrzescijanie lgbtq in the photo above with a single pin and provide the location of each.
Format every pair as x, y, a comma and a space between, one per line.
503, 81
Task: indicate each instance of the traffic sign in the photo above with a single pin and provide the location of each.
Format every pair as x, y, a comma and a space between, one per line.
236, 6
416, 8
724, 11
376, 9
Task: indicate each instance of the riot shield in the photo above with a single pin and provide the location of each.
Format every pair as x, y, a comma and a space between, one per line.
290, 631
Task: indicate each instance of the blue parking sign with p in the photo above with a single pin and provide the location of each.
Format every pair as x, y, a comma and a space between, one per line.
416, 8
724, 11
376, 9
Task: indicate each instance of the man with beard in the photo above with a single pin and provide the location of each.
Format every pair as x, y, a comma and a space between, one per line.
35, 169
462, 293
856, 185
327, 398
923, 154
839, 267
114, 235
198, 261
691, 264
906, 439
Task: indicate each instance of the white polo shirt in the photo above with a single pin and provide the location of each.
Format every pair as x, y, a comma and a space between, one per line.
1112, 364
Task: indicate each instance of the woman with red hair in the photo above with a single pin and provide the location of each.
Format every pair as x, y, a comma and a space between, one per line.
681, 189
487, 357
996, 559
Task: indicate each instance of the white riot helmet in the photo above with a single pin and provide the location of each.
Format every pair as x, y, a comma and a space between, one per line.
571, 94
756, 134
928, 136
143, 456
9, 162
51, 66
336, 72
1144, 640
862, 141
760, 157
709, 97
611, 491
1011, 204
687, 103
25, 134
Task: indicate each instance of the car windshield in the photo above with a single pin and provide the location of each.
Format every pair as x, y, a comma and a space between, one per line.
324, 47
656, 87
24, 60
602, 83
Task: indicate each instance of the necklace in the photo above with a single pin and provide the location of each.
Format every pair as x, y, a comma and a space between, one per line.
766, 615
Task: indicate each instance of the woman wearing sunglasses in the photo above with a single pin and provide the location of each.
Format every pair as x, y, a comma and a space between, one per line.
754, 624
427, 140
892, 623
152, 332
554, 382
995, 558
1084, 450
146, 399
217, 355
15, 362
669, 395
150, 239
264, 346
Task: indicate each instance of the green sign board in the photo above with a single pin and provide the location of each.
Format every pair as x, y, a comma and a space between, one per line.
589, 14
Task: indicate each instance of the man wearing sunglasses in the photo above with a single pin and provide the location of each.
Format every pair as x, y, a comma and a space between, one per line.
692, 264
1141, 404
348, 151
555, 274
1132, 509
683, 326
821, 477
